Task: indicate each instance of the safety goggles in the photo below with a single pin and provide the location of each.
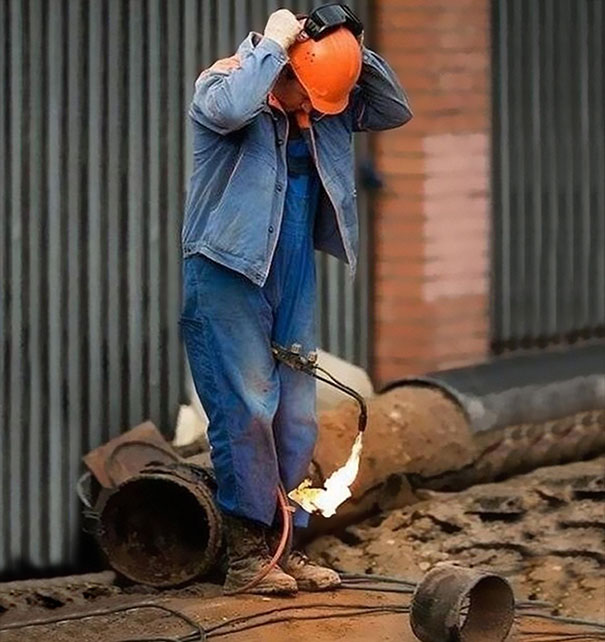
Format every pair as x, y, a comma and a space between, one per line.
328, 17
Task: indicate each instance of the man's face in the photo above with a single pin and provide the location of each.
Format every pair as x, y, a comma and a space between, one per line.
290, 93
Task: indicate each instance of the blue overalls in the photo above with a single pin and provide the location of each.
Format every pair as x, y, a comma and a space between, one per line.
262, 414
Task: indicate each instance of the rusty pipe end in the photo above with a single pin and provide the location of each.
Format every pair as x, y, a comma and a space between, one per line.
457, 604
161, 527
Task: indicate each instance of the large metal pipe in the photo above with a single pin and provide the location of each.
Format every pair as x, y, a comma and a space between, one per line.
161, 527
455, 428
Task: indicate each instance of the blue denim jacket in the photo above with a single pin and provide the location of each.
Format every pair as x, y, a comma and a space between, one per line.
236, 193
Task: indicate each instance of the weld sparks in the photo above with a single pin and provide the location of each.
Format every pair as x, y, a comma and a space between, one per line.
336, 488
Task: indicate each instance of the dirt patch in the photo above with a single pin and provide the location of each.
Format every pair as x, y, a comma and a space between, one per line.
305, 618
545, 531
326, 617
38, 597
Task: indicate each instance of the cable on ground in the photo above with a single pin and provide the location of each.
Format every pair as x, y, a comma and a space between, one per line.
106, 612
351, 581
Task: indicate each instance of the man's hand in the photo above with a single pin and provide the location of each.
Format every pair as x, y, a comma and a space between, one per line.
283, 28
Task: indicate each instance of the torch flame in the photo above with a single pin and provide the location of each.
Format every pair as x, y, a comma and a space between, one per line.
336, 488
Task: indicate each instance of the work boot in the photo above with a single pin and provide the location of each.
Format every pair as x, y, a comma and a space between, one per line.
309, 576
248, 554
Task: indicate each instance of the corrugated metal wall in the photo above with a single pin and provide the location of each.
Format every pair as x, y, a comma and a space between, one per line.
549, 171
94, 139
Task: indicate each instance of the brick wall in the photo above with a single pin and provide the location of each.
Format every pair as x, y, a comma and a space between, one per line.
432, 217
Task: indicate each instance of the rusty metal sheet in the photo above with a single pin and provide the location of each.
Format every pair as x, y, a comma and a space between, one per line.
126, 455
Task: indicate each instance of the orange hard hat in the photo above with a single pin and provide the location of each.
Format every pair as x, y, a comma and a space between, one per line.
328, 69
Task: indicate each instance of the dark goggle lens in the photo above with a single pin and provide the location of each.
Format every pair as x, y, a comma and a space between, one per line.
328, 17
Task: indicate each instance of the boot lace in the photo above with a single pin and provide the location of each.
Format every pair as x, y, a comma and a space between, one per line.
298, 558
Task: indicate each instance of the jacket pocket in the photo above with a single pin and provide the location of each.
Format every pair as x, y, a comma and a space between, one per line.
240, 222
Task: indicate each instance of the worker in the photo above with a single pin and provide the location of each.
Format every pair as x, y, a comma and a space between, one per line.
272, 181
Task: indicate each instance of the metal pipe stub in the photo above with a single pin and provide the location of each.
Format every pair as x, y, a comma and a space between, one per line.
161, 527
457, 604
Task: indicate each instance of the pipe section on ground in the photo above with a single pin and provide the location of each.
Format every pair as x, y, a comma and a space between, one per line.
532, 388
161, 527
453, 603
472, 425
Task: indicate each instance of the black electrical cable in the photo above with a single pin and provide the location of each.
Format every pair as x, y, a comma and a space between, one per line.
531, 604
351, 581
292, 607
352, 610
562, 636
379, 589
387, 579
404, 590
105, 612
566, 620
301, 618
153, 640
214, 632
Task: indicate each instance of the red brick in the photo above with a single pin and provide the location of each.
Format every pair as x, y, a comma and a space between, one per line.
432, 217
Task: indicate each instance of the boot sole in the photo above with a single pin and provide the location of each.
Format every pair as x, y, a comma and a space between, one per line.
310, 587
260, 590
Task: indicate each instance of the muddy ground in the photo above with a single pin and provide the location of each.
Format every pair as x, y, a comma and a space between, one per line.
545, 531
334, 616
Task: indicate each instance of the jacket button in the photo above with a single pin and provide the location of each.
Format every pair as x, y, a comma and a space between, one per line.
279, 187
270, 229
280, 141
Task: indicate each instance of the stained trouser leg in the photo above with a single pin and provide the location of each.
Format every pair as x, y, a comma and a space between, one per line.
226, 323
295, 424
295, 431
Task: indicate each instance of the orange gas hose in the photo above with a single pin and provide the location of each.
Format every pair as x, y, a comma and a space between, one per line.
285, 535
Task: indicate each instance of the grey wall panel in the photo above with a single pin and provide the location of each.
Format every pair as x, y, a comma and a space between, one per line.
35, 341
549, 211
136, 206
597, 158
154, 213
75, 99
175, 125
114, 251
17, 215
4, 275
96, 157
57, 222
